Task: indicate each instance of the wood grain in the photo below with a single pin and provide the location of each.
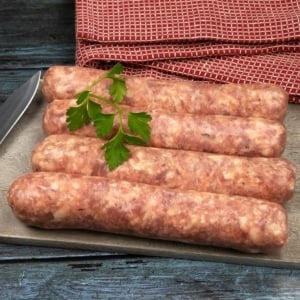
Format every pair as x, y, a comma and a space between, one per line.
144, 278
36, 34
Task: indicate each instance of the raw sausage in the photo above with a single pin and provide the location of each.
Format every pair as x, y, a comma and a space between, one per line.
244, 100
208, 133
255, 177
60, 200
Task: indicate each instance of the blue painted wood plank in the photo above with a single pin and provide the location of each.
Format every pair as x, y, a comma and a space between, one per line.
145, 278
36, 33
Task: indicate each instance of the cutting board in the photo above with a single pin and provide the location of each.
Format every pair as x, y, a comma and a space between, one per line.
15, 155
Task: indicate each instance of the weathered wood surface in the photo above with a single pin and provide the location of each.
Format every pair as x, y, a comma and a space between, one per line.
144, 278
34, 35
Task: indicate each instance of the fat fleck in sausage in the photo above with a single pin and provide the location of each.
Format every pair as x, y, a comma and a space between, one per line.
245, 100
266, 178
208, 133
61, 200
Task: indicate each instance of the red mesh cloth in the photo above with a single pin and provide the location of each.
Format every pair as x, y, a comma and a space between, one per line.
211, 40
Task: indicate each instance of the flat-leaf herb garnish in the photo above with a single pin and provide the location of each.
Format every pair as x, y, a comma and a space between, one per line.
89, 110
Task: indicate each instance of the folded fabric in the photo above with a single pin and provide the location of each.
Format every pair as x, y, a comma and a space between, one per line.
211, 40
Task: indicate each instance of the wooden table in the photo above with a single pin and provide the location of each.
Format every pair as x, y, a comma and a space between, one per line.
34, 35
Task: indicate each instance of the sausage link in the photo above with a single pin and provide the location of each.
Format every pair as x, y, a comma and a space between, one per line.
209, 133
61, 200
244, 100
254, 177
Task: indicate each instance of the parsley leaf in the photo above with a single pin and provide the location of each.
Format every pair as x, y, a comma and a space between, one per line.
115, 151
77, 117
116, 69
82, 97
138, 124
104, 124
93, 109
89, 110
117, 90
134, 140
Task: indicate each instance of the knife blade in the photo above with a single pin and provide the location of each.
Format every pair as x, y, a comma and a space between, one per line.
16, 104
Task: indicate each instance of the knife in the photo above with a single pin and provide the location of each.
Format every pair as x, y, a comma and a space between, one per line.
16, 104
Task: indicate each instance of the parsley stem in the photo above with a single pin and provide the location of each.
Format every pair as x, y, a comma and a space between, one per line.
120, 115
106, 101
94, 83
119, 110
89, 110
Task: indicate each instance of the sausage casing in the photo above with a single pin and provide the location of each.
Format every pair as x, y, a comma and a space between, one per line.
60, 200
254, 177
209, 133
244, 100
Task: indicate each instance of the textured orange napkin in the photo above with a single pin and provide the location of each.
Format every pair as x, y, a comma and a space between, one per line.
211, 40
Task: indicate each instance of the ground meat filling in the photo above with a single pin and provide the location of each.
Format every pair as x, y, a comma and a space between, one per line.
60, 200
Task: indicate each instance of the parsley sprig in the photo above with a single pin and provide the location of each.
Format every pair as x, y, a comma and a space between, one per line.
89, 110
